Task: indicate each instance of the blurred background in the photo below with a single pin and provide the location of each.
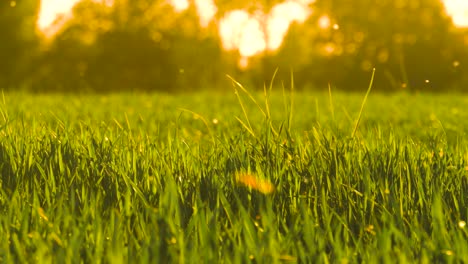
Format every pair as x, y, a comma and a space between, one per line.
190, 45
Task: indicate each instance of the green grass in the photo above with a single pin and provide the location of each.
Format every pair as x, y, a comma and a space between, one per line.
152, 178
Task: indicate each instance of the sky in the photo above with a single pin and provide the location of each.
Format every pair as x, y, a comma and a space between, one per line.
249, 33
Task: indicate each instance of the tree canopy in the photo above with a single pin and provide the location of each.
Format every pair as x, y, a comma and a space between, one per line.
148, 45
19, 40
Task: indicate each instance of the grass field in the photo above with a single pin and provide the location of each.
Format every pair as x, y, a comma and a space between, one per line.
218, 178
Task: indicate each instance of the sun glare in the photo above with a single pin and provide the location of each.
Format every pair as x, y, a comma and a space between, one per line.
249, 33
180, 5
50, 10
207, 10
239, 30
324, 22
254, 33
458, 10
281, 17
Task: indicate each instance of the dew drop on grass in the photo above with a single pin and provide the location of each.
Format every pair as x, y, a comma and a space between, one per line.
257, 225
370, 229
448, 252
462, 224
42, 214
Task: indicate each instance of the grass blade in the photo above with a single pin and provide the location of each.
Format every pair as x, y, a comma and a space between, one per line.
363, 104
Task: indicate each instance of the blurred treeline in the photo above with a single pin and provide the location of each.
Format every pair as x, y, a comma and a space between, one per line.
146, 45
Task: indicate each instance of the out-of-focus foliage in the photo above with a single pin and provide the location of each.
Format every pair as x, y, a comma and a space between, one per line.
65, 62
412, 44
146, 45
17, 40
134, 45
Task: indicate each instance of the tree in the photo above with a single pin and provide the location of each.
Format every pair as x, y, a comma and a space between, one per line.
19, 41
410, 43
263, 65
133, 45
65, 60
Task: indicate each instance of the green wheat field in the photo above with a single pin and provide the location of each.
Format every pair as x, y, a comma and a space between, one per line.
234, 177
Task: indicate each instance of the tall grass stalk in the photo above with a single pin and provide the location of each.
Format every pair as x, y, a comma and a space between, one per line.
113, 178
356, 125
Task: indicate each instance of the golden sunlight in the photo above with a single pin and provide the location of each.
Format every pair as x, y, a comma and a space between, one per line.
180, 5
252, 34
50, 10
249, 33
256, 183
458, 10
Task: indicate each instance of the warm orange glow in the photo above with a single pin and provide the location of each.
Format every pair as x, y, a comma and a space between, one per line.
249, 33
180, 5
255, 183
241, 31
50, 10
207, 10
254, 33
281, 17
458, 10
54, 13
324, 22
